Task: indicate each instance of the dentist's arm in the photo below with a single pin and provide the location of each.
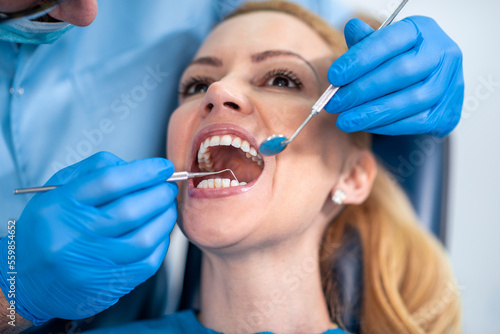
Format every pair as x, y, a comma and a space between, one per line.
82, 246
404, 79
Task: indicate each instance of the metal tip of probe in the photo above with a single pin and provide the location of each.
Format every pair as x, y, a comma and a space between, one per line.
200, 174
33, 190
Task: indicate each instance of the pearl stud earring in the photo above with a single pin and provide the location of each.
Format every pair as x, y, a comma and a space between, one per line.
339, 196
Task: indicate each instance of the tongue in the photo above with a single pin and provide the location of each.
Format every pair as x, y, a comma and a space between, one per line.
245, 169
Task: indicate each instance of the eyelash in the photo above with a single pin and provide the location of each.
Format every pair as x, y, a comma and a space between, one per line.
281, 72
185, 86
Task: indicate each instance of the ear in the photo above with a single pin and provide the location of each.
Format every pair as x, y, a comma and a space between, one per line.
358, 175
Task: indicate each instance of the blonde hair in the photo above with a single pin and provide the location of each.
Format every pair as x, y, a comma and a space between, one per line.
408, 285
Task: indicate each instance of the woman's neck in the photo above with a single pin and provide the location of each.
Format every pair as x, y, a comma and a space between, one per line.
277, 290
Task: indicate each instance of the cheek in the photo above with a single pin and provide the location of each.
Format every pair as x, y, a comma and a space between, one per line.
320, 146
283, 113
334, 144
180, 134
310, 166
304, 185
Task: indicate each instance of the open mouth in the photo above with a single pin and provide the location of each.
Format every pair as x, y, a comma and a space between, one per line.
227, 151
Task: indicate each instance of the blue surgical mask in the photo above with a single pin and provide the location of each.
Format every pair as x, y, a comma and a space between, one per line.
32, 32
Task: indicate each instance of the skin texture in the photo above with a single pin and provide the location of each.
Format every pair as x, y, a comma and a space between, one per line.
251, 240
77, 12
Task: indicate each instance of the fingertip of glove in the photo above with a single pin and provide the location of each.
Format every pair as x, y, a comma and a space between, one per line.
167, 172
355, 30
157, 168
165, 165
356, 26
174, 188
336, 73
105, 156
348, 123
333, 106
420, 19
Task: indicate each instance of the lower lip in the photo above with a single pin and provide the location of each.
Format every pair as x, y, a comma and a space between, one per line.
218, 192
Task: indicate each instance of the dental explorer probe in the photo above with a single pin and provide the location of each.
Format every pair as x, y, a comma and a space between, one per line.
274, 144
177, 176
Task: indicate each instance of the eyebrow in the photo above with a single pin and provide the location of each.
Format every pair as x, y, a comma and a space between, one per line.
261, 56
212, 61
256, 58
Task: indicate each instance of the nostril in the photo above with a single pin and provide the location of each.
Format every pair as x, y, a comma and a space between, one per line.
232, 105
210, 106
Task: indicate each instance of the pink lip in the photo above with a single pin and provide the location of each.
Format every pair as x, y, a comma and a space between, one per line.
209, 131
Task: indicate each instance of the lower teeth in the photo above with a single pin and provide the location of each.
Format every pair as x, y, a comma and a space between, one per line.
219, 183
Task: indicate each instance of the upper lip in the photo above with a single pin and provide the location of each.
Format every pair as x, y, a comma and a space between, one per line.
220, 129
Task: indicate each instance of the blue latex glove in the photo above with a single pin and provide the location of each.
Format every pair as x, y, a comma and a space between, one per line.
403, 79
82, 246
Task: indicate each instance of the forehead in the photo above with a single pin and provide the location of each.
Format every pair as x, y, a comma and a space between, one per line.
259, 31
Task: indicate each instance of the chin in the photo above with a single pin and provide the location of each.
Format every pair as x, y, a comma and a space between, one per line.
216, 231
218, 224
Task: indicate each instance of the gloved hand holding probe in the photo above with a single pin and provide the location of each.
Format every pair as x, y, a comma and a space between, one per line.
82, 246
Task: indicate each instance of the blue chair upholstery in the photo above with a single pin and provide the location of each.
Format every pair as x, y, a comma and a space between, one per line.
421, 166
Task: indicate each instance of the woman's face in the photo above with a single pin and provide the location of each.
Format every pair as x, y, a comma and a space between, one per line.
256, 75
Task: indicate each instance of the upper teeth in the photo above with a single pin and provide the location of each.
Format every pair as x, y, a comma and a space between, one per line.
205, 161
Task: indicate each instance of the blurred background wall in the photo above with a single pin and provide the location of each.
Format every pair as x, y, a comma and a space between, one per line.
474, 203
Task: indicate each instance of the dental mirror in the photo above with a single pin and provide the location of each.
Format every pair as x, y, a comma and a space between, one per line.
273, 145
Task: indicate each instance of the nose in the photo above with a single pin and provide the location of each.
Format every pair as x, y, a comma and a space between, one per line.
77, 12
220, 98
